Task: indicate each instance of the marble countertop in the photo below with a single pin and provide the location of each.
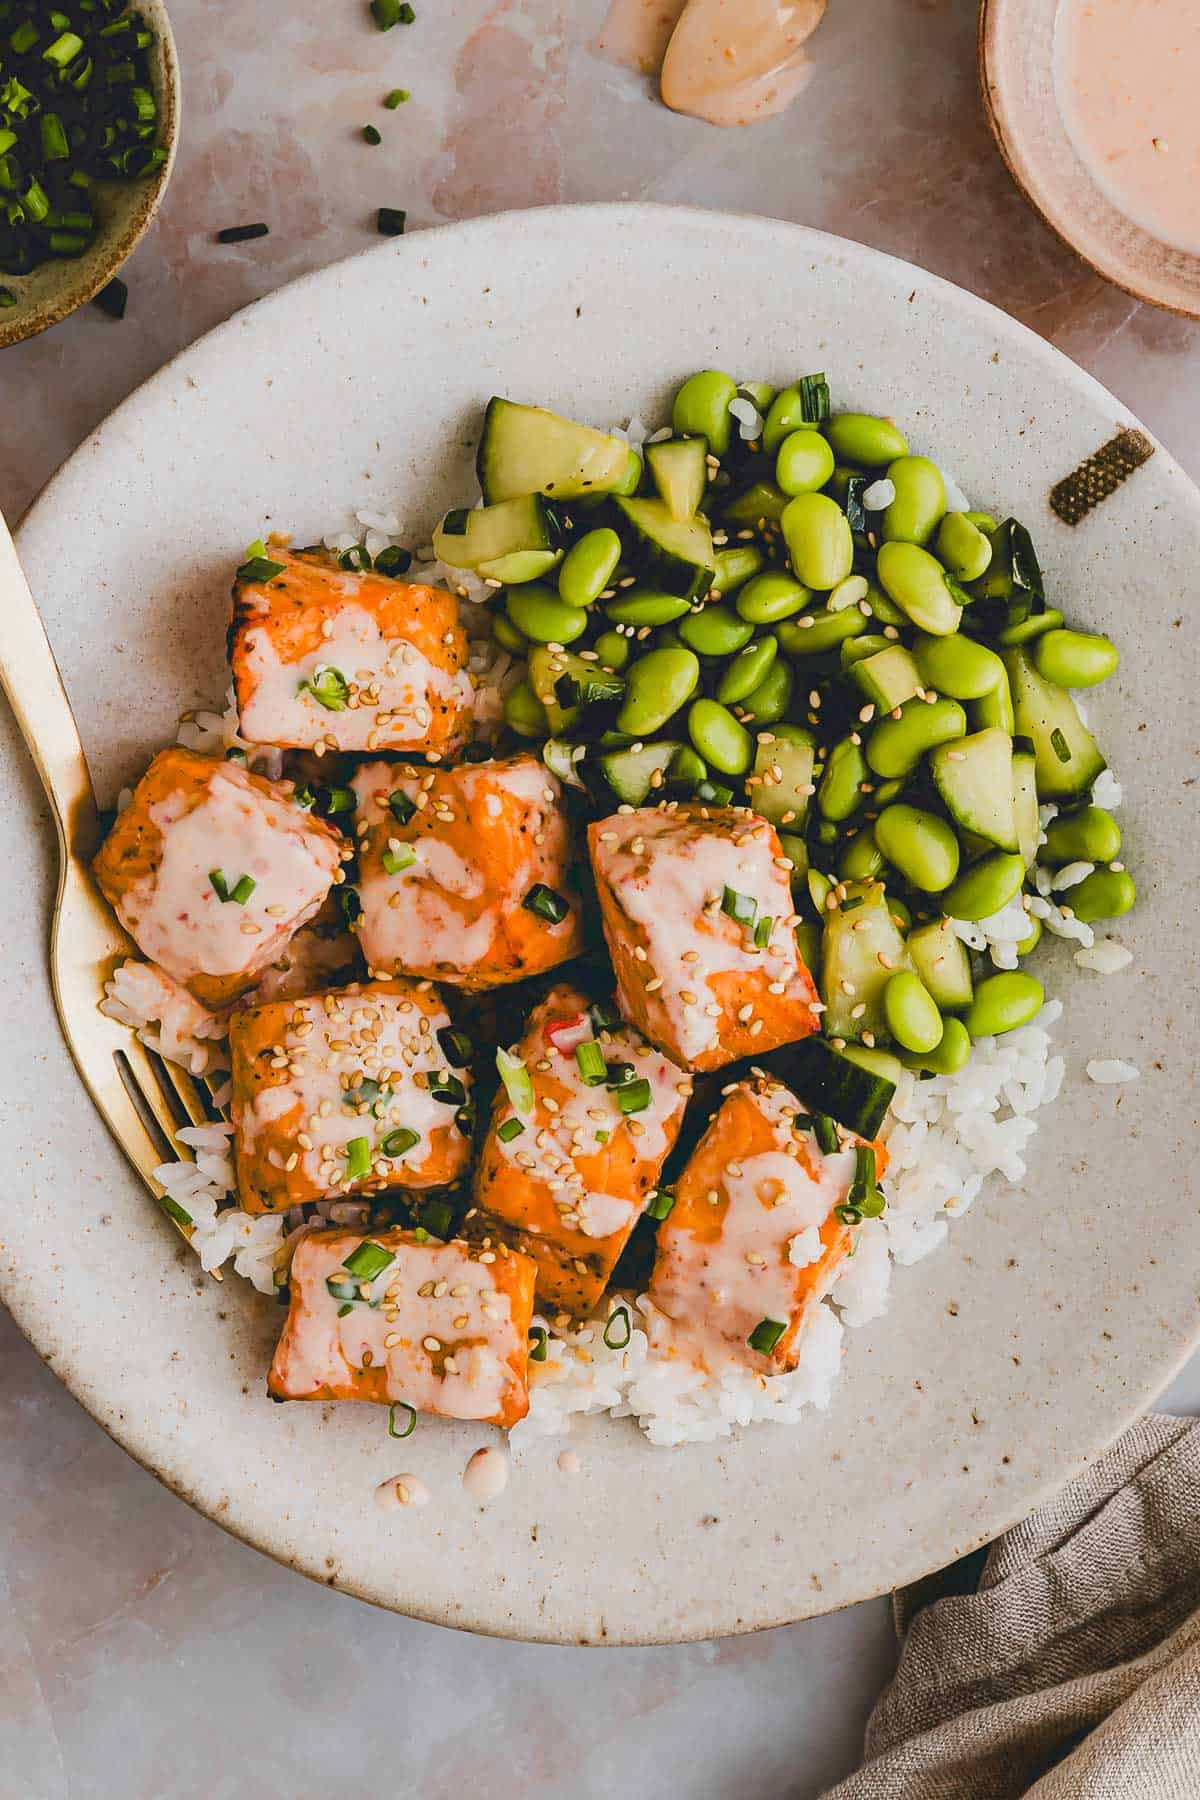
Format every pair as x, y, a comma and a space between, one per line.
142, 1652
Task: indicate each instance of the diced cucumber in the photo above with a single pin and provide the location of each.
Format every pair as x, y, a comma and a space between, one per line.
835, 1083
630, 773
1014, 575
784, 800
563, 759
468, 538
678, 553
993, 708
974, 778
1025, 805
940, 958
889, 677
857, 934
680, 473
796, 851
527, 450
566, 685
1068, 759
520, 566
761, 501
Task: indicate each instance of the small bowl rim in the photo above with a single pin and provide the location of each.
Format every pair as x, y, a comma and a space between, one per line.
64, 300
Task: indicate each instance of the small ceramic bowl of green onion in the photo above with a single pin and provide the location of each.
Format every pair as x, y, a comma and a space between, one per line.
89, 116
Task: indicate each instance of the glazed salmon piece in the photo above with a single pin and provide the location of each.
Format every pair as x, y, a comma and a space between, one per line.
566, 1178
400, 1317
344, 1092
754, 1238
465, 873
328, 658
697, 910
212, 871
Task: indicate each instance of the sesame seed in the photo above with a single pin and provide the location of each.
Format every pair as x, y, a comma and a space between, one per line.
431, 1344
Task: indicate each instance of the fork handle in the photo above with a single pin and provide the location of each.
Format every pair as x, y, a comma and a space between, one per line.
30, 678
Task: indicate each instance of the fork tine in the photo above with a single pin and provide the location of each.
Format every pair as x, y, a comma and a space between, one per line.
141, 1066
183, 1090
127, 1119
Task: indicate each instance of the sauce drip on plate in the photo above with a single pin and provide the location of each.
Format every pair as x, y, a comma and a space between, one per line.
728, 61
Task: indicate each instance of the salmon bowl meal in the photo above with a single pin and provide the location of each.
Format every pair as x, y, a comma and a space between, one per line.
608, 928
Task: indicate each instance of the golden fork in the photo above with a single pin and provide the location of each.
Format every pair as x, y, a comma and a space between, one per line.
145, 1100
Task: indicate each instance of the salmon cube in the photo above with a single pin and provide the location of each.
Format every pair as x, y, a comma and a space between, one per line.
754, 1240
697, 912
465, 874
565, 1172
346, 1092
212, 871
399, 1317
325, 657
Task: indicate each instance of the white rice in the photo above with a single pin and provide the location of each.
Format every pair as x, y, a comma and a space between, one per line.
1112, 1070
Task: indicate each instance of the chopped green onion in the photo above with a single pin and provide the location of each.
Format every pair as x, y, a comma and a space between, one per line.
348, 903
357, 559
55, 147
602, 1137
260, 568
455, 1047
219, 884
341, 1289
23, 38
365, 1094
240, 892
396, 98
517, 1082
243, 889
873, 1204
421, 1235
814, 399
618, 1073
410, 1423
437, 1216
368, 1259
762, 931
741, 908
393, 561
1059, 745
766, 1335
399, 1142
547, 904
242, 234
539, 1343
847, 1214
826, 1133
714, 793
390, 221
343, 1310
660, 1204
605, 1016
634, 1096
330, 800
66, 48
328, 687
618, 1319
7, 297
591, 1063
446, 1088
174, 1211
863, 1182
358, 1159
386, 13
401, 807
396, 861
372, 134
407, 15
509, 1129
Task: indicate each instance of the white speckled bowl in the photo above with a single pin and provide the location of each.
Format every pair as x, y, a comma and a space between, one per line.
1008, 1359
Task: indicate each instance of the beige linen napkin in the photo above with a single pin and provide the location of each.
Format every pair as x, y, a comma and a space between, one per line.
1072, 1671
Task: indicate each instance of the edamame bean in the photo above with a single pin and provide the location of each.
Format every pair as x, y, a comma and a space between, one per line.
773, 695
920, 845
915, 513
1090, 835
962, 547
770, 597
887, 791
861, 438
701, 408
958, 666
524, 712
1002, 1002
687, 769
819, 540
1104, 894
1025, 630
983, 521
860, 859
715, 631
748, 668
785, 415
735, 566
840, 790
657, 685
804, 462
948, 1057
919, 585
857, 649
645, 606
588, 567
1032, 938
985, 887
808, 943
721, 740
507, 635
994, 708
819, 889
762, 500
631, 480
884, 610
1075, 659
613, 650
539, 613
911, 1013
896, 746
814, 633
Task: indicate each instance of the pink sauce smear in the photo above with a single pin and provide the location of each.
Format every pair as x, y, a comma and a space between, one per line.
730, 62
1127, 74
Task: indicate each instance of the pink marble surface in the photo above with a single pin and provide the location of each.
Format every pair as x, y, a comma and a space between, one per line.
143, 1653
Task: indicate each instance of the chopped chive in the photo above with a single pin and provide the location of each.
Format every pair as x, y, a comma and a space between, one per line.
358, 1160
235, 755
660, 1204
762, 931
343, 1310
372, 134
341, 1289
1059, 745
803, 1122
24, 38
741, 908
509, 1129
7, 297
330, 800
518, 1084
390, 221
385, 13
619, 1321
826, 1133
538, 1344
618, 1073
873, 1204
863, 1182
368, 1259
634, 1096
396, 861
348, 903
847, 1214
547, 904
357, 559
260, 568
66, 48
455, 1046
410, 1424
174, 1211
242, 234
714, 793
590, 1060
396, 98
113, 298
437, 1216
401, 807
399, 1142
55, 147
220, 886
328, 687
605, 1016
602, 1137
394, 560
766, 1335
245, 886
446, 1088
814, 399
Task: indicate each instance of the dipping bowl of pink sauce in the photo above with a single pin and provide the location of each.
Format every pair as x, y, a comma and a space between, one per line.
1095, 105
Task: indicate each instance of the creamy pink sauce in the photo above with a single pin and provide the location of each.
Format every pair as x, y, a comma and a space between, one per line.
429, 1297
176, 915
708, 1295
1127, 74
669, 874
486, 1474
401, 1490
730, 62
392, 684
